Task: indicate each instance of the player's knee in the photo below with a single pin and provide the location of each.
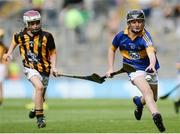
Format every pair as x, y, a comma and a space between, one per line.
40, 88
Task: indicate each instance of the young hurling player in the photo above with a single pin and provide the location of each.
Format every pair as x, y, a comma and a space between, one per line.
38, 53
136, 46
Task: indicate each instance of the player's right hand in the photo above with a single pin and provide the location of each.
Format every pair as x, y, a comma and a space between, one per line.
108, 73
7, 57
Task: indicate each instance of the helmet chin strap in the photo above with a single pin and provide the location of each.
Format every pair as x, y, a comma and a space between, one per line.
136, 31
35, 31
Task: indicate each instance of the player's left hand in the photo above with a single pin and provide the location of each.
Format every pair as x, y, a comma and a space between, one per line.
151, 69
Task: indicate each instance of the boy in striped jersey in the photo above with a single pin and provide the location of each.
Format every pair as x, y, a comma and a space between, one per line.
38, 53
136, 46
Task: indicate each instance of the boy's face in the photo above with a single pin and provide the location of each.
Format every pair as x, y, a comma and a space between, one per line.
136, 26
34, 26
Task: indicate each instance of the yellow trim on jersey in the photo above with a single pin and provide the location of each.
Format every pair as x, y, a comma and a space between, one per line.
143, 54
125, 54
22, 51
40, 67
51, 52
113, 48
13, 40
44, 43
150, 49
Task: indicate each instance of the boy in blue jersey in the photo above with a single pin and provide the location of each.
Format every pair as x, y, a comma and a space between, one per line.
136, 46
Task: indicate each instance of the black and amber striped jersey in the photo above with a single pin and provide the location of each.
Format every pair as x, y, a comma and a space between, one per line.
3, 50
35, 51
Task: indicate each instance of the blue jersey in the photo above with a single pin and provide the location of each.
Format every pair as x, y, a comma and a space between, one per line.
134, 50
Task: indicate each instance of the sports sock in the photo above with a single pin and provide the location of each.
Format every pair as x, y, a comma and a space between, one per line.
138, 102
155, 114
39, 113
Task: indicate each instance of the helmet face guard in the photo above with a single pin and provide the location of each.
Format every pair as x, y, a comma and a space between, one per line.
135, 15
30, 17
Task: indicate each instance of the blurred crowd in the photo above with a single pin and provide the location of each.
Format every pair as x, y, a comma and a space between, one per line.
83, 29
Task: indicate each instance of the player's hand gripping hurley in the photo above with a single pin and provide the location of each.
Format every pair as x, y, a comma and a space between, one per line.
96, 78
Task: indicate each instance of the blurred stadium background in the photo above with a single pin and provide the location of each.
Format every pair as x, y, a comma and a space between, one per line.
83, 30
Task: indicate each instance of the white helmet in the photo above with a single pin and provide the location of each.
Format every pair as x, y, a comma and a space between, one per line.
30, 16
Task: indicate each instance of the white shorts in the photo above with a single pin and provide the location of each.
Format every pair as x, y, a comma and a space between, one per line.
150, 77
3, 72
29, 73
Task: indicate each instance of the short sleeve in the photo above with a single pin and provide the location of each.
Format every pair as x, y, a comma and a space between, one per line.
51, 43
115, 42
15, 39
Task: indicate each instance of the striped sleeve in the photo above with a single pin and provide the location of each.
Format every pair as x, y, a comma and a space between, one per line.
15, 39
148, 42
147, 39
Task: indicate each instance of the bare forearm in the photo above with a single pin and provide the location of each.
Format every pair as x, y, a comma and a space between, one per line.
152, 58
111, 57
53, 59
11, 48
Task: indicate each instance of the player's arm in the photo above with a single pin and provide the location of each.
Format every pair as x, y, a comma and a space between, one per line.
151, 52
152, 58
7, 55
53, 58
52, 55
111, 58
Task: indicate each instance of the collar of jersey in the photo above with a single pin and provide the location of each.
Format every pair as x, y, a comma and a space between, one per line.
138, 35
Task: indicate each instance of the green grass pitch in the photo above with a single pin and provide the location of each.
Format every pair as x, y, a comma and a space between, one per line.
86, 116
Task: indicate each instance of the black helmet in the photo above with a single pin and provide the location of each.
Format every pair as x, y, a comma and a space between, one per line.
135, 15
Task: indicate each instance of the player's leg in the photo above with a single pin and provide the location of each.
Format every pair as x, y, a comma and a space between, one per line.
176, 106
177, 97
45, 80
31, 105
36, 79
147, 92
137, 100
39, 89
152, 79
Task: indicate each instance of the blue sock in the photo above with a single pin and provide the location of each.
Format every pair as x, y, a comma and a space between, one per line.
138, 102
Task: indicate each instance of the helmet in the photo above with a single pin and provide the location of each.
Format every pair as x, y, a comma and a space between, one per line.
135, 15
30, 16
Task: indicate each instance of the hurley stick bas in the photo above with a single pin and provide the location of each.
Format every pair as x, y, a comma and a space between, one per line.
98, 79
